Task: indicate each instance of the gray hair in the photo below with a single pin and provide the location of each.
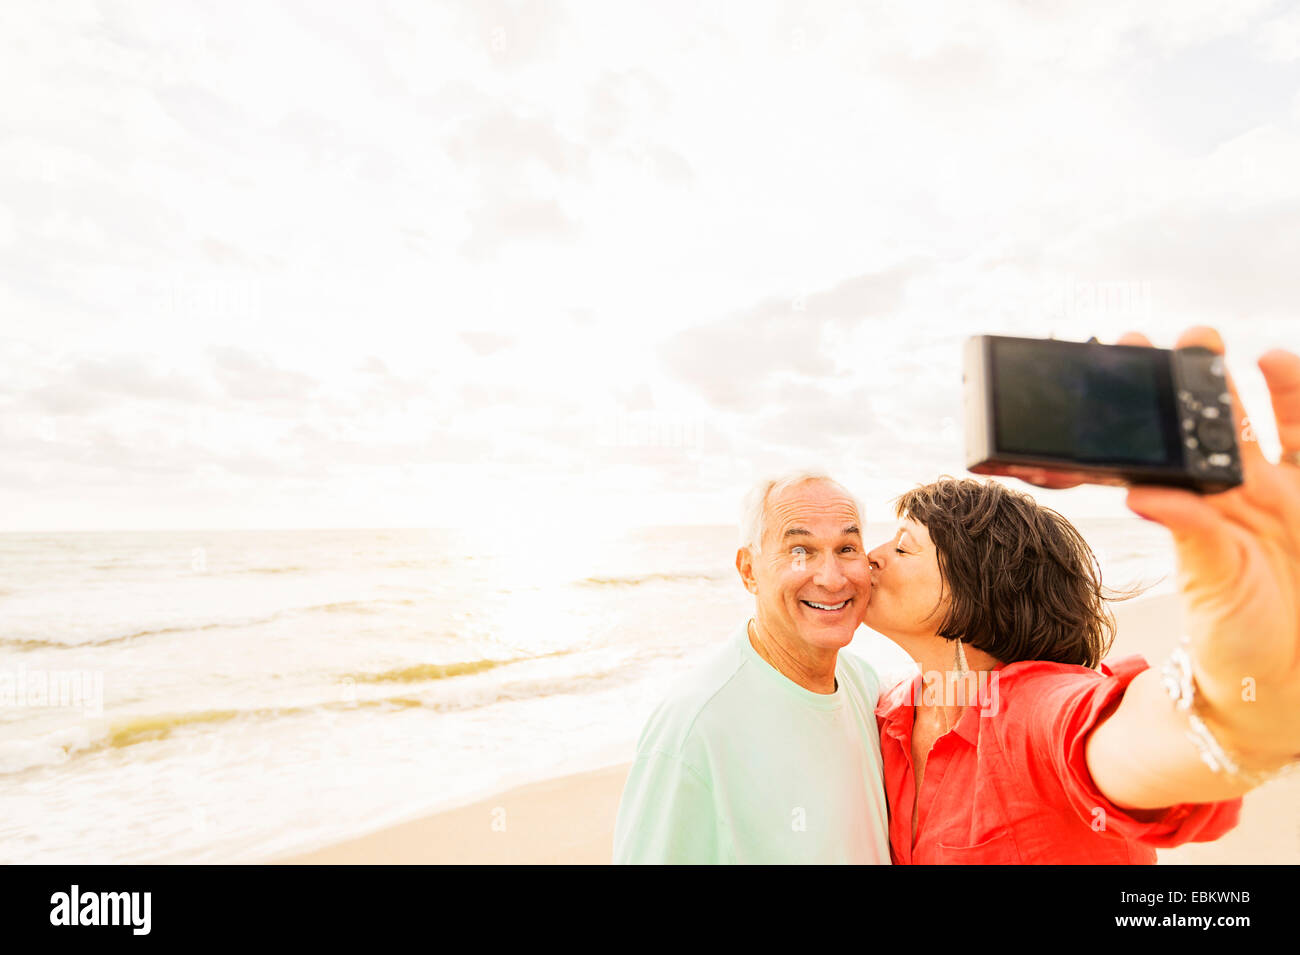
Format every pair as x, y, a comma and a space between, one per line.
754, 511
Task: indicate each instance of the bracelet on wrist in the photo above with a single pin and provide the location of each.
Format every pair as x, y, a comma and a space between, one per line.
1180, 682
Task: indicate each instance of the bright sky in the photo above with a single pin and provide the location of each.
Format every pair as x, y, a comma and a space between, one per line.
588, 264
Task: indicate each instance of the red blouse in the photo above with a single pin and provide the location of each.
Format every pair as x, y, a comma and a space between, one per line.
1009, 784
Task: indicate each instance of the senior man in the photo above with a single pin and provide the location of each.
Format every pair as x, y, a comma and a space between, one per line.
770, 752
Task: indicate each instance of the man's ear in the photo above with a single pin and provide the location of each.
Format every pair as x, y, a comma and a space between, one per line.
745, 564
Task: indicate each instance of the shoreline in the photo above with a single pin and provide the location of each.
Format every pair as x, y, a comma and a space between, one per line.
569, 819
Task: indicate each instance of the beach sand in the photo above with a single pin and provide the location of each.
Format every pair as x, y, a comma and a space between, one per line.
570, 820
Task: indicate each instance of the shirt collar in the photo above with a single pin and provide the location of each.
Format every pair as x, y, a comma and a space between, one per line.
894, 708
895, 712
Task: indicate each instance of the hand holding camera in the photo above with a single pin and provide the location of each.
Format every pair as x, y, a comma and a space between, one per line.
1238, 550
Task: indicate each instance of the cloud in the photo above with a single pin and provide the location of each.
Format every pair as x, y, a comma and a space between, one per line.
131, 376
93, 384
741, 360
249, 377
486, 343
512, 33
527, 244
497, 223
212, 120
63, 398
802, 413
1217, 261
518, 162
505, 142
620, 100
668, 164
380, 388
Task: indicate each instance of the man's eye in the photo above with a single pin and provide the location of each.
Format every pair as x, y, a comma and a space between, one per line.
799, 551
899, 550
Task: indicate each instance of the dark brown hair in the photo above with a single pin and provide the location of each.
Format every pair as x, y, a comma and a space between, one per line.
1023, 583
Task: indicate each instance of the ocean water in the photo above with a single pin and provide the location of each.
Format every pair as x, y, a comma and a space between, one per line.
233, 696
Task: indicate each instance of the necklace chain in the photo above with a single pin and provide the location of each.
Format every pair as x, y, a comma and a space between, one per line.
959, 660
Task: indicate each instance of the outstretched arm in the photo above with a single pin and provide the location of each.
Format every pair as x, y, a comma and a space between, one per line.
1239, 576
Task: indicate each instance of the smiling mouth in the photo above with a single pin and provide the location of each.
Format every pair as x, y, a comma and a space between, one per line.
829, 608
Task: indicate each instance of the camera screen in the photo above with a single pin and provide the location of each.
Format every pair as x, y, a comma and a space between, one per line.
1097, 404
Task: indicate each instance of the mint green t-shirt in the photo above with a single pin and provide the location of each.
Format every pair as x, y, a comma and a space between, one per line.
742, 765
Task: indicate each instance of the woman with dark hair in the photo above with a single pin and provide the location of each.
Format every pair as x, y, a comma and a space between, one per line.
1016, 744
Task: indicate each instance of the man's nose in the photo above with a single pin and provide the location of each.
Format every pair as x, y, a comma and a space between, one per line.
830, 575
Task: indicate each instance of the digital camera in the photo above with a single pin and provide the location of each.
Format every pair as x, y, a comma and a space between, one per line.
1117, 414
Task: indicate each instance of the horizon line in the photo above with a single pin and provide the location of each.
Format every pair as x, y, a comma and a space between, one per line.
446, 527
